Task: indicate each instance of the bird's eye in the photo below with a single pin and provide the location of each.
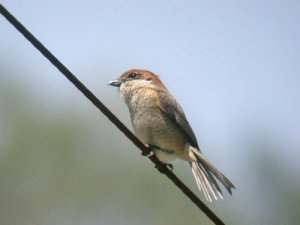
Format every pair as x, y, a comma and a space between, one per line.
133, 75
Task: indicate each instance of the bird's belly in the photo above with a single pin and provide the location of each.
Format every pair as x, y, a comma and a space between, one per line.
155, 129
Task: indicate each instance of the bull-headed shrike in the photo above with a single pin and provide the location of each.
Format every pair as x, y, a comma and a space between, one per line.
159, 121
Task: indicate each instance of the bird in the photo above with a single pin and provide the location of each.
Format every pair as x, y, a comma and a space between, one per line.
160, 123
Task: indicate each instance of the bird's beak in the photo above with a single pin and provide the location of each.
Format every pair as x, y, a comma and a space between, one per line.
115, 83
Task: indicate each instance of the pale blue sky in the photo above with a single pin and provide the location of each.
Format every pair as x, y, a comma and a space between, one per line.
233, 65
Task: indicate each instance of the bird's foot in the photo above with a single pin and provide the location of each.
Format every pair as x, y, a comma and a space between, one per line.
147, 154
162, 165
169, 166
151, 153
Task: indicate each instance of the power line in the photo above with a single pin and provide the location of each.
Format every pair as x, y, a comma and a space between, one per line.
84, 90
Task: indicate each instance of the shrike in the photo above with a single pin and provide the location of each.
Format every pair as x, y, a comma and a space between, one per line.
159, 121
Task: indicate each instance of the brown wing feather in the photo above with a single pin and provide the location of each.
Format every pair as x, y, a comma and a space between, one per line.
173, 110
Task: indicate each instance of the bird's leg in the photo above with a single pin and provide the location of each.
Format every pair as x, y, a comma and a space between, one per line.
150, 147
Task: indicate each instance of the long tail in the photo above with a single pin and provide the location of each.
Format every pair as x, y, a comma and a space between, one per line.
204, 173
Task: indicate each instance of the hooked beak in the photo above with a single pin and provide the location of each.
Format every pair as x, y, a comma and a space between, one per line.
116, 83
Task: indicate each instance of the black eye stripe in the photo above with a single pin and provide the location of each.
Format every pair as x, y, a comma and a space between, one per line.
133, 75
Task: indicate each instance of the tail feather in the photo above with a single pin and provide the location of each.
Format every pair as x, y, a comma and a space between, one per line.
203, 172
204, 182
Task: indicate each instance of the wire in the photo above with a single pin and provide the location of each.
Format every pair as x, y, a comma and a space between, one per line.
84, 90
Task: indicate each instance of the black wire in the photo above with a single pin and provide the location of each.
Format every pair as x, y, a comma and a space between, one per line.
84, 90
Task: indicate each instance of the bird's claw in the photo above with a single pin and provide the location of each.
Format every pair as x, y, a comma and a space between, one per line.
169, 166
151, 153
147, 154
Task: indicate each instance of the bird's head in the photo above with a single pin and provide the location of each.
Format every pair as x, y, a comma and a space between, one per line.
135, 79
135, 82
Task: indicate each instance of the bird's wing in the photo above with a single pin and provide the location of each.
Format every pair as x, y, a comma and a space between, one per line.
173, 110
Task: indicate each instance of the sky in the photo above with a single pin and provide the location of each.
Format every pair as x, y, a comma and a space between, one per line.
238, 59
232, 65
